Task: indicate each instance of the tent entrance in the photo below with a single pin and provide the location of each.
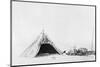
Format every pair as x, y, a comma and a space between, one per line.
46, 49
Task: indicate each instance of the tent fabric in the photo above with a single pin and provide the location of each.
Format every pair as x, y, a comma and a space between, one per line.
42, 46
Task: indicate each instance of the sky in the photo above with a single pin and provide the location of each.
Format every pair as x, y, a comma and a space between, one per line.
67, 26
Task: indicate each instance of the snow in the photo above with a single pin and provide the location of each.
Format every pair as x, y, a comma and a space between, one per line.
51, 59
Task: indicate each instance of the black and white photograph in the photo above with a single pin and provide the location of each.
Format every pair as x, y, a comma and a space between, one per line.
50, 33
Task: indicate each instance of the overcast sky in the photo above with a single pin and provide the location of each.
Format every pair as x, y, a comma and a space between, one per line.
66, 25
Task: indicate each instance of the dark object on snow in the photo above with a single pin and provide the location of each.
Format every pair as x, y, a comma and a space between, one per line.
90, 52
82, 51
79, 52
72, 52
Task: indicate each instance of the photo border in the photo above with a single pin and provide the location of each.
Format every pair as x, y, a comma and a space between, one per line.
58, 4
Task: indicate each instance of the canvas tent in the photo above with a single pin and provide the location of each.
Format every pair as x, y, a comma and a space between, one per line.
42, 46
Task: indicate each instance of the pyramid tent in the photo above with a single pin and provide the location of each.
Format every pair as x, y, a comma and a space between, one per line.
42, 46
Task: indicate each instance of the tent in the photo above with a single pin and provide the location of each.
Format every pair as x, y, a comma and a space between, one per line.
42, 46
